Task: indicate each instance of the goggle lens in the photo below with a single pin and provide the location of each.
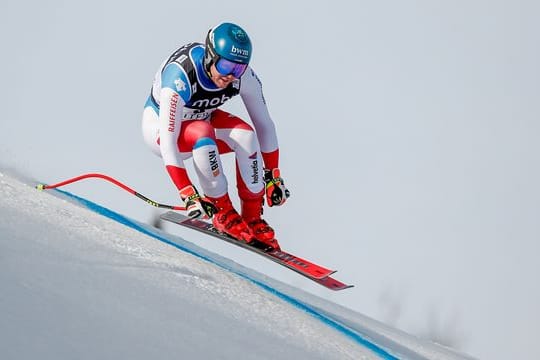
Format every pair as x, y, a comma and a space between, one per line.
226, 67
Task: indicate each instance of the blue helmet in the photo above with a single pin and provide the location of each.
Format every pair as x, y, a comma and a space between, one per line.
228, 41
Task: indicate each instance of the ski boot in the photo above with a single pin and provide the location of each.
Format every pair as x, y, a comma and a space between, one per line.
251, 213
228, 221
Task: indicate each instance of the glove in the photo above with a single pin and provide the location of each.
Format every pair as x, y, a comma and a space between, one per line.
276, 192
197, 206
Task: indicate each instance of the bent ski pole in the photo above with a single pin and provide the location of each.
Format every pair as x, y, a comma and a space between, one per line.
115, 182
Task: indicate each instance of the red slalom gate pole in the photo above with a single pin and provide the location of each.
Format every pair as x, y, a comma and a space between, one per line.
115, 182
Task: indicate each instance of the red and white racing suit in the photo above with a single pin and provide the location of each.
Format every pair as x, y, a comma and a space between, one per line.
181, 119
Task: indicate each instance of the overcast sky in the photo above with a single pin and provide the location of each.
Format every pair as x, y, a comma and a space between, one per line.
409, 135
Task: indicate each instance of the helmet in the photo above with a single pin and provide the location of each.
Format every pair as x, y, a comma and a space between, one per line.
228, 41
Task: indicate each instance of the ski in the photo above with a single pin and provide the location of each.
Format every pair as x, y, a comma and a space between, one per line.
317, 273
291, 261
332, 284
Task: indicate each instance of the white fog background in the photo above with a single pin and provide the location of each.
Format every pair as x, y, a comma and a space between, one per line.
409, 138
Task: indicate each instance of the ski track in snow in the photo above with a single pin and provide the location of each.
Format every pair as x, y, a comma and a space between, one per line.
101, 276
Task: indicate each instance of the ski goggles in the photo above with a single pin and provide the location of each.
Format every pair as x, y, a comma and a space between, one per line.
226, 67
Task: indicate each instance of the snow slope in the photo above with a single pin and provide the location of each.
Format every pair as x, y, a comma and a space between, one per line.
84, 282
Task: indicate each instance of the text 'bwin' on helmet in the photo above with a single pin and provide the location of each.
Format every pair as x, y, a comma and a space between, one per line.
228, 41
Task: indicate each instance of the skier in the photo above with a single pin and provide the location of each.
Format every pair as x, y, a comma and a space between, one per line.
182, 119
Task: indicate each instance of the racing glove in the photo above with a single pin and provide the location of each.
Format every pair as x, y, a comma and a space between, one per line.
276, 192
196, 205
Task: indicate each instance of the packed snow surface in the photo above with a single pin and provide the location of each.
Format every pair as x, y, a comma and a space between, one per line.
81, 285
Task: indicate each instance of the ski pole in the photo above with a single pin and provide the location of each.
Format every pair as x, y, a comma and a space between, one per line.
115, 182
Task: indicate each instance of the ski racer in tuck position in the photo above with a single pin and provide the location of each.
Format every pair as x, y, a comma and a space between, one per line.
182, 119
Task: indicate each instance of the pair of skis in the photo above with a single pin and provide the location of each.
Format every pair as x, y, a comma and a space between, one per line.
312, 271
